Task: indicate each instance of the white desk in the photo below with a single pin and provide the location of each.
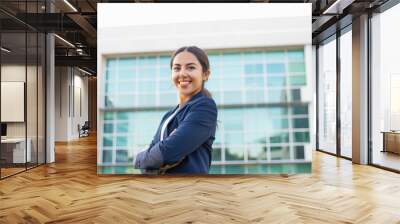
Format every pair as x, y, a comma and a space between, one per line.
18, 145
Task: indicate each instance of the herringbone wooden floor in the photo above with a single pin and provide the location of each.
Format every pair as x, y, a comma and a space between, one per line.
69, 191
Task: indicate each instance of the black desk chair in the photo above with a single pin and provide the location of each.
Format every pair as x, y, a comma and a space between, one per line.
84, 130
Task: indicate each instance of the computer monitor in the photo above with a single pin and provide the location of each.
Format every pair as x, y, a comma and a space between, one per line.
3, 129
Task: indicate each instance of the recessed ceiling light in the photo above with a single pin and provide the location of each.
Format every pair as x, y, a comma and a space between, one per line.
70, 5
5, 49
64, 40
84, 71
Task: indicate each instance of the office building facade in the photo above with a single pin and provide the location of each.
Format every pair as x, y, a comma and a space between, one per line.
263, 94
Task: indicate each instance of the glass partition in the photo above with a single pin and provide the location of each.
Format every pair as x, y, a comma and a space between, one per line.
22, 91
14, 153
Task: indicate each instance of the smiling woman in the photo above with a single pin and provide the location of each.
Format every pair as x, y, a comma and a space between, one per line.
183, 142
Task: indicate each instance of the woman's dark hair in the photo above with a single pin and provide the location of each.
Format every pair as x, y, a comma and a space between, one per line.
201, 57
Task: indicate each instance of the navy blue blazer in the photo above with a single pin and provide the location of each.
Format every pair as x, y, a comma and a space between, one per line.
195, 125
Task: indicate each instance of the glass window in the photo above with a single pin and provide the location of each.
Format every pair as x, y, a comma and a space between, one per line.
295, 55
277, 111
346, 94
234, 153
278, 68
301, 137
256, 120
217, 96
146, 86
253, 56
121, 156
300, 122
126, 63
254, 136
299, 152
276, 81
165, 73
277, 95
231, 58
282, 137
218, 134
327, 97
143, 61
126, 100
214, 59
212, 84
108, 141
232, 71
275, 56
251, 69
385, 88
148, 72
254, 82
216, 153
127, 87
112, 64
107, 156
122, 141
280, 152
257, 152
279, 123
165, 85
168, 99
108, 116
111, 87
123, 115
296, 67
301, 109
255, 96
232, 97
108, 128
110, 101
110, 74
126, 74
234, 138
298, 80
146, 100
216, 71
123, 127
232, 83
164, 61
232, 123
296, 94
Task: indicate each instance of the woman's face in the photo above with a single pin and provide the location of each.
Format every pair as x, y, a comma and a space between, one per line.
187, 74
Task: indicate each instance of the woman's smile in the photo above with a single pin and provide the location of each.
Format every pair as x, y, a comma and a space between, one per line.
184, 83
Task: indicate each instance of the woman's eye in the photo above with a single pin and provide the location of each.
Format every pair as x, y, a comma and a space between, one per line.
176, 69
191, 68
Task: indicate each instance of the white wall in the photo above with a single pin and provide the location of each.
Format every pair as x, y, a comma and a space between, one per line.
69, 82
259, 28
